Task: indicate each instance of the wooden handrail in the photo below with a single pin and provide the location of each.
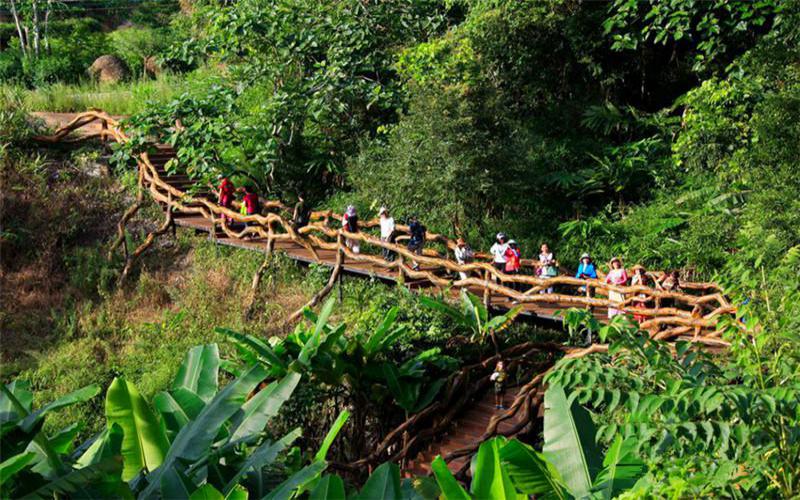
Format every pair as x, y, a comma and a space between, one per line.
697, 312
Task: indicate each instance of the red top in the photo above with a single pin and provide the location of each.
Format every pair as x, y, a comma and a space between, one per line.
251, 202
226, 187
512, 260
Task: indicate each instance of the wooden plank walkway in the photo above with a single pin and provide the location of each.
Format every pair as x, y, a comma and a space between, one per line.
364, 269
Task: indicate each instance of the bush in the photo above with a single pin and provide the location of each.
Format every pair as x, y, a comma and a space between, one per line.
133, 45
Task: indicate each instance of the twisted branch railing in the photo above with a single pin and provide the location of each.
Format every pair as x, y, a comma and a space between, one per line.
690, 315
694, 315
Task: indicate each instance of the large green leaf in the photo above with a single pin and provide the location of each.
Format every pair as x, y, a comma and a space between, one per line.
264, 405
94, 481
13, 465
405, 393
384, 482
21, 390
329, 487
569, 441
451, 489
310, 348
144, 443
199, 371
177, 408
307, 474
331, 435
108, 444
530, 472
375, 343
260, 348
79, 396
490, 478
195, 439
261, 456
440, 306
622, 468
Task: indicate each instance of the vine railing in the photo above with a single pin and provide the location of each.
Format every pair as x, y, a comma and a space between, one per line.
667, 314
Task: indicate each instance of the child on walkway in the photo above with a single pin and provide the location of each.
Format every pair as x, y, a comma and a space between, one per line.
499, 379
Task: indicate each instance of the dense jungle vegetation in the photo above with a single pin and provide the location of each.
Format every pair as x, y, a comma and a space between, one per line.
663, 131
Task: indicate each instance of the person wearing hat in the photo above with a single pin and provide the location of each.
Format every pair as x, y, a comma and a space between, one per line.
498, 251
350, 224
464, 255
586, 268
225, 194
387, 231
640, 278
619, 277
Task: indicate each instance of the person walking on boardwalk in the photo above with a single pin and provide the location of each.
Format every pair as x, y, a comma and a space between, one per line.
498, 251
250, 204
387, 232
417, 240
225, 193
350, 224
513, 264
499, 378
464, 255
586, 270
547, 266
301, 215
640, 278
619, 277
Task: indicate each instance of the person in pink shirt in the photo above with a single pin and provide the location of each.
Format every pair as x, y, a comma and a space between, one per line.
616, 276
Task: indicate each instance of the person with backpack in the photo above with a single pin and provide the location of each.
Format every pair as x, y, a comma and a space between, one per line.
387, 232
417, 240
350, 224
250, 204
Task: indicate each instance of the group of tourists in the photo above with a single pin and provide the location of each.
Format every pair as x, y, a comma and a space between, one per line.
505, 253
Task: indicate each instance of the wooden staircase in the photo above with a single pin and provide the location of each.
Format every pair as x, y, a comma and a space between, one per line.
466, 431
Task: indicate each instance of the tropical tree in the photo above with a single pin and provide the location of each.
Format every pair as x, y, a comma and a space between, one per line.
474, 317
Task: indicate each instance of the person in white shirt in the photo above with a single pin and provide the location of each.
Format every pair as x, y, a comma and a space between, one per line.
387, 232
464, 255
498, 251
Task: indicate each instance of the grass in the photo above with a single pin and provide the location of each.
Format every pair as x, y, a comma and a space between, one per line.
123, 98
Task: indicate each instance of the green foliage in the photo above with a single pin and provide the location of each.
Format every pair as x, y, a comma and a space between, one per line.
133, 45
684, 412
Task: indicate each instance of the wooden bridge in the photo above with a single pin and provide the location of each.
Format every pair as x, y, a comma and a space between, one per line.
693, 314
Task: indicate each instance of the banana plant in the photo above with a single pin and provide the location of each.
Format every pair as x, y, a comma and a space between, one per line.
570, 465
473, 316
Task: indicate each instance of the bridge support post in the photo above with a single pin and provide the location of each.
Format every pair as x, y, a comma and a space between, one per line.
487, 294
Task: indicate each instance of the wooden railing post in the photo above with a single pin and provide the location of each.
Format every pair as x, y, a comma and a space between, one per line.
487, 294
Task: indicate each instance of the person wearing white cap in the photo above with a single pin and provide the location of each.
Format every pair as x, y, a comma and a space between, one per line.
498, 251
387, 231
350, 224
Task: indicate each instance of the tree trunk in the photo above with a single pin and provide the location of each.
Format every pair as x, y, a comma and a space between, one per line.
36, 27
23, 41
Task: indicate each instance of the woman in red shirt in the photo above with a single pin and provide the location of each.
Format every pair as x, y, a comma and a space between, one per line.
513, 262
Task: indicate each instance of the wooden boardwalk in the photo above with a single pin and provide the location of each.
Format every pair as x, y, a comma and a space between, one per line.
690, 314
